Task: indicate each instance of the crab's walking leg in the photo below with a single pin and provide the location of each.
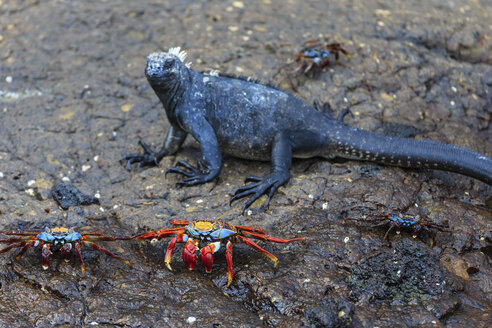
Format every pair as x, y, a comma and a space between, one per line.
91, 237
189, 253
159, 234
24, 249
15, 239
270, 238
207, 255
258, 248
179, 222
392, 226
104, 250
170, 249
229, 262
45, 256
13, 245
78, 250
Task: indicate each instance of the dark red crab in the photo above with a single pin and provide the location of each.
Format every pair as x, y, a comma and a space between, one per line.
215, 234
64, 239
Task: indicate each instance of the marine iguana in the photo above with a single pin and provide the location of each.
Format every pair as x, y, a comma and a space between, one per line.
251, 120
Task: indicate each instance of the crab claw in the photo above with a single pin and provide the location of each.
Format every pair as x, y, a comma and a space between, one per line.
45, 256
207, 255
207, 258
189, 255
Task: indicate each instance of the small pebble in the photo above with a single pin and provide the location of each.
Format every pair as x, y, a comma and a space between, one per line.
97, 195
324, 206
1, 175
96, 158
65, 179
9, 79
346, 240
31, 182
191, 320
199, 201
85, 167
101, 209
30, 192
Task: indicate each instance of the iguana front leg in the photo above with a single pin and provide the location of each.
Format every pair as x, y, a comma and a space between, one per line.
211, 164
174, 139
281, 163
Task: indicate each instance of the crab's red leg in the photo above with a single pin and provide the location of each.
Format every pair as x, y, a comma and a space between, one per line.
91, 237
189, 254
13, 245
170, 248
20, 233
78, 250
179, 222
270, 238
45, 256
161, 233
15, 239
24, 249
104, 250
207, 255
258, 248
250, 229
229, 262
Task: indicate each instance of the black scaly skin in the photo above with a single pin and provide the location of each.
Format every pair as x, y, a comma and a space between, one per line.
251, 120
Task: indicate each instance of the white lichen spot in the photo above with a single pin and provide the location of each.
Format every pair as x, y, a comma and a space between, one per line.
454, 89
199, 201
115, 207
324, 206
311, 196
114, 133
452, 103
85, 168
1, 175
93, 323
66, 179
96, 158
9, 79
97, 195
101, 209
346, 240
191, 320
31, 182
30, 192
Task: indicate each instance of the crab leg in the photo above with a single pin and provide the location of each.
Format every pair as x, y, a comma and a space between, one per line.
229, 262
104, 250
270, 238
159, 234
24, 249
14, 239
170, 248
392, 226
103, 238
179, 222
251, 243
45, 256
249, 229
207, 255
13, 245
78, 250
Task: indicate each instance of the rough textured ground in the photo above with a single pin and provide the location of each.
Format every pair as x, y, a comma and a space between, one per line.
74, 99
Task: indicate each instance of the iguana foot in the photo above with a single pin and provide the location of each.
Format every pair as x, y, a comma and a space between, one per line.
194, 175
149, 157
260, 186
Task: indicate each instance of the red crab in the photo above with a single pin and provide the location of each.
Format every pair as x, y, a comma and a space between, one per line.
214, 233
61, 238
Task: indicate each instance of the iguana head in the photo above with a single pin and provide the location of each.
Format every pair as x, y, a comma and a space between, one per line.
164, 69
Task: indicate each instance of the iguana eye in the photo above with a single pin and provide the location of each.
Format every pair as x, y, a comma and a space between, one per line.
169, 62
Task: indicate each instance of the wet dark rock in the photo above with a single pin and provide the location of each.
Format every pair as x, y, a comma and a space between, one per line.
332, 312
67, 195
405, 273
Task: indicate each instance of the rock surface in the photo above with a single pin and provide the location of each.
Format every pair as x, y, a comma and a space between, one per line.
74, 99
